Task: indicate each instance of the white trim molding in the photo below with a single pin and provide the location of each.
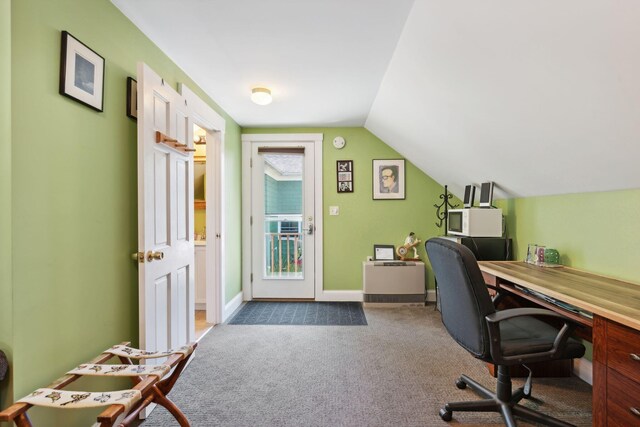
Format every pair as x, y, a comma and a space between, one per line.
339, 296
583, 369
232, 306
214, 124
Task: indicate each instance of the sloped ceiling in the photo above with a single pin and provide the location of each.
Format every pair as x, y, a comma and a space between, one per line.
541, 97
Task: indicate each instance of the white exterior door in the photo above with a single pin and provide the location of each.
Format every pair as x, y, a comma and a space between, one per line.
283, 228
165, 215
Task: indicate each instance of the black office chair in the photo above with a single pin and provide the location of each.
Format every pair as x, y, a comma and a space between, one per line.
505, 338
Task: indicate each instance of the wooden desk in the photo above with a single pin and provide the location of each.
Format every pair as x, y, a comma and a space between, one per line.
615, 305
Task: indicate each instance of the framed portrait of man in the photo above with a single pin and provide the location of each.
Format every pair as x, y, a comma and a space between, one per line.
389, 179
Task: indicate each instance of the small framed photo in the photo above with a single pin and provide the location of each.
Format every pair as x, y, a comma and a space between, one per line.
81, 73
383, 253
388, 179
345, 187
132, 98
344, 171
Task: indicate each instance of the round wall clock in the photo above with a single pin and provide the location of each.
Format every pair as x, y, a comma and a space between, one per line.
339, 142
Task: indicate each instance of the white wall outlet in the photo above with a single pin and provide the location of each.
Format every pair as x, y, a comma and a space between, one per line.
334, 210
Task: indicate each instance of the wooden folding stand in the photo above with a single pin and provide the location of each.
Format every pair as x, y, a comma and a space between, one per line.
149, 387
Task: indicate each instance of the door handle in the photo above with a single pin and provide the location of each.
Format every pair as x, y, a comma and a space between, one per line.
309, 229
151, 255
138, 256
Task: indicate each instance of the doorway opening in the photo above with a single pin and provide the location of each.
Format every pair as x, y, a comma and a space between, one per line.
200, 230
282, 216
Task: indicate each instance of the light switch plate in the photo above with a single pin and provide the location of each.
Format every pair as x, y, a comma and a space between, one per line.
334, 210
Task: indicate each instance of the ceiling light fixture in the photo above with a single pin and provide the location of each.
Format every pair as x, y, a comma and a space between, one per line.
261, 95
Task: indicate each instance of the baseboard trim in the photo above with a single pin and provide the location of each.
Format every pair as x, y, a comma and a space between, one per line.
340, 296
583, 369
357, 296
231, 306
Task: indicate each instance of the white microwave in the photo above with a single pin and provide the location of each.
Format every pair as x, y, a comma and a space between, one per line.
475, 222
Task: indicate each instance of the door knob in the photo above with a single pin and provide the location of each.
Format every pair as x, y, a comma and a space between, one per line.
138, 256
151, 255
309, 229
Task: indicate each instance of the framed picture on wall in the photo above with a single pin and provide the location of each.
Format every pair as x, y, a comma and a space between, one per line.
388, 179
81, 73
132, 98
344, 170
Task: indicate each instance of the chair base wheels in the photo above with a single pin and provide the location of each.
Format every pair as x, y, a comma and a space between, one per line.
461, 384
446, 415
502, 401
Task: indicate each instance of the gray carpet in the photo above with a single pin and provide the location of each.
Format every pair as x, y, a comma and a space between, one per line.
300, 313
398, 371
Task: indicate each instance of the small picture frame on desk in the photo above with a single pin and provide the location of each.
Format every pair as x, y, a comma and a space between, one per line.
383, 252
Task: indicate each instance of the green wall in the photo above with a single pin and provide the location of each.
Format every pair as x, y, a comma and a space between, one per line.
74, 186
363, 222
6, 306
232, 231
598, 232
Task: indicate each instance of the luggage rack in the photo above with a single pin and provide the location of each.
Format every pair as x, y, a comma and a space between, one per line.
124, 406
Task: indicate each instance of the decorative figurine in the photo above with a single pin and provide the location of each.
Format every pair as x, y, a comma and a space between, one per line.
409, 243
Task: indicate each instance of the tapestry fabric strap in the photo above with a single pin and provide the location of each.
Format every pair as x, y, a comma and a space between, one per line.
121, 370
134, 353
67, 399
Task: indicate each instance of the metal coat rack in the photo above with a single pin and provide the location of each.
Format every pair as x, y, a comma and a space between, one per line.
446, 204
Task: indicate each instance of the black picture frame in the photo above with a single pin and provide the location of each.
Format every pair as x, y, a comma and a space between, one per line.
132, 98
344, 175
384, 253
81, 73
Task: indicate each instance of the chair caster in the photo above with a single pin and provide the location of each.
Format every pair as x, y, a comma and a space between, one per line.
461, 384
446, 415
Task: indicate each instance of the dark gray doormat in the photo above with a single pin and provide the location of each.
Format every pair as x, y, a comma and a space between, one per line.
300, 313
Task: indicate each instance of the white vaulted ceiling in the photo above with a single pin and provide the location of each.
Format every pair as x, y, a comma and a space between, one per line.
542, 97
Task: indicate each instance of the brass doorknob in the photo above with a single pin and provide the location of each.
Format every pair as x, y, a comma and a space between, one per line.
151, 255
138, 256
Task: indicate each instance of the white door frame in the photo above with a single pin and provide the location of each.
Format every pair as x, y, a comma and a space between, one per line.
247, 140
205, 117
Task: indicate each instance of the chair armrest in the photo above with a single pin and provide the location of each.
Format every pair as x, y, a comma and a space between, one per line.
501, 315
498, 296
493, 323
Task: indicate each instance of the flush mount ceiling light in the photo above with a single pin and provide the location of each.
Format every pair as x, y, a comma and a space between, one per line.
261, 95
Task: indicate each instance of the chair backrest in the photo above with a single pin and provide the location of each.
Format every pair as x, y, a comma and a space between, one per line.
464, 298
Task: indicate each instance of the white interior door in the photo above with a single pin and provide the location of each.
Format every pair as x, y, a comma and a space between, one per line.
283, 220
165, 215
